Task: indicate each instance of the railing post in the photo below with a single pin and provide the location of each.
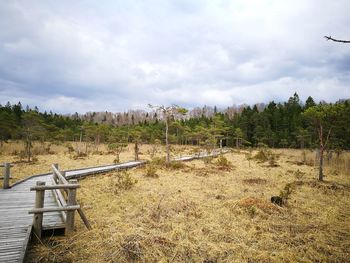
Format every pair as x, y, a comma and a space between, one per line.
70, 202
6, 183
38, 217
55, 178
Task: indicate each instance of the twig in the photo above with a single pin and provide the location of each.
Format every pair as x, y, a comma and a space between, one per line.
336, 40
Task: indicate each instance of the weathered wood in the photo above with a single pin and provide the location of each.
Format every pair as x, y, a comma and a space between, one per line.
3, 164
38, 217
84, 218
15, 203
24, 244
59, 175
6, 183
57, 186
71, 202
59, 200
53, 209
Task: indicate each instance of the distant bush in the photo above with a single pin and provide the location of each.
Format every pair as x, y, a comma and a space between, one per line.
265, 155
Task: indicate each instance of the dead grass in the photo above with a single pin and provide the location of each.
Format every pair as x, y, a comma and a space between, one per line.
63, 155
255, 181
200, 213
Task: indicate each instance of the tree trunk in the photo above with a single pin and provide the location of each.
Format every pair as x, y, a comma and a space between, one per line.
320, 176
79, 145
29, 148
136, 151
166, 141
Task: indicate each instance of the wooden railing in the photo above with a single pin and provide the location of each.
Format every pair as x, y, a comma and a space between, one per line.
65, 194
6, 175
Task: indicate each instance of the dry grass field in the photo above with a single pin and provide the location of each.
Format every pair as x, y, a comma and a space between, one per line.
205, 211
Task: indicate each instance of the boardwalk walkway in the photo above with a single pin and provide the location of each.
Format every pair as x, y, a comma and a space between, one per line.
15, 202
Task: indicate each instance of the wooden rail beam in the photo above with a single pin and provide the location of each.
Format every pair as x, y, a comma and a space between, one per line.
3, 164
54, 209
53, 187
58, 174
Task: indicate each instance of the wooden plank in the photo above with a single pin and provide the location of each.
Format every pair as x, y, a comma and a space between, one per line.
25, 244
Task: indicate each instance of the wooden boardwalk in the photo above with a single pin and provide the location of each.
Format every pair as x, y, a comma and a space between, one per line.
15, 222
15, 202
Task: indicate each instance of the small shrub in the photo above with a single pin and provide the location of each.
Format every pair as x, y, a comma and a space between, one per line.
208, 160
262, 145
299, 174
223, 162
175, 165
124, 181
132, 248
151, 171
70, 148
252, 211
265, 155
249, 156
159, 161
272, 160
286, 192
79, 155
261, 156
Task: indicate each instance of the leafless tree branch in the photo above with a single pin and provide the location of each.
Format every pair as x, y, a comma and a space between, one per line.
336, 40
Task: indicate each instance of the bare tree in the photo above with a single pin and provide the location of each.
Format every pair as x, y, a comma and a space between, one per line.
167, 113
337, 40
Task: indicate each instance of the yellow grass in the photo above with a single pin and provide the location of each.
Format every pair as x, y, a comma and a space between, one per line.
203, 212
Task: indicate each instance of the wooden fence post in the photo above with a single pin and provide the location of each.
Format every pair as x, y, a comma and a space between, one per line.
38, 217
71, 202
6, 183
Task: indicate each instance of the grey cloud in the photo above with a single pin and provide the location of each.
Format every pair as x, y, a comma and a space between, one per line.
113, 55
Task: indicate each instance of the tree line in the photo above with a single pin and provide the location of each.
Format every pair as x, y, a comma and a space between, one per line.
291, 124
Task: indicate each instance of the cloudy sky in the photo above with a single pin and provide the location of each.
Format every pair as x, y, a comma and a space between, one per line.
115, 55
